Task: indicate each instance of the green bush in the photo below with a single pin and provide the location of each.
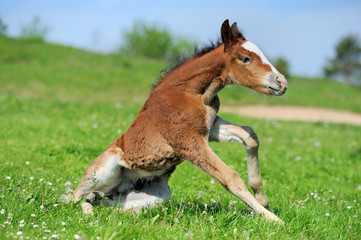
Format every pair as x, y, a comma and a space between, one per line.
153, 41
3, 27
34, 29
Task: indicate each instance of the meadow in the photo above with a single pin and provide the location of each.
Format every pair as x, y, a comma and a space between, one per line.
60, 107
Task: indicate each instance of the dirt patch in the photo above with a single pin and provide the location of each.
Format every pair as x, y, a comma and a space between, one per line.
296, 113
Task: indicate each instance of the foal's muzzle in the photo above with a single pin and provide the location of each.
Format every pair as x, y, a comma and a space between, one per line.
277, 85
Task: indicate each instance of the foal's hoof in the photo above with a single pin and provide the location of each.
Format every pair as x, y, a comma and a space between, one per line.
87, 208
263, 200
273, 218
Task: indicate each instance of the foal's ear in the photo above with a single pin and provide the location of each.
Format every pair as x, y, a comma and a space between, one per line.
236, 33
227, 36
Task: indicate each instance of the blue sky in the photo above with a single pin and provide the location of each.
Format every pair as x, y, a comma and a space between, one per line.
305, 32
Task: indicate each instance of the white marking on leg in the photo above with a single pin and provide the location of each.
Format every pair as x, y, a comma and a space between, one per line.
250, 46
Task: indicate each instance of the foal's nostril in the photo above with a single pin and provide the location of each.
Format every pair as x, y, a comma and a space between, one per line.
281, 82
278, 81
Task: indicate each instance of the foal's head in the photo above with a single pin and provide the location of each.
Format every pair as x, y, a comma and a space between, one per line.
247, 65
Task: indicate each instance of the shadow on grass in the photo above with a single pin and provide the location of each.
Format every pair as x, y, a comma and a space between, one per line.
193, 209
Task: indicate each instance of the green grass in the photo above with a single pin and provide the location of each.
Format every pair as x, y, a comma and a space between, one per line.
53, 132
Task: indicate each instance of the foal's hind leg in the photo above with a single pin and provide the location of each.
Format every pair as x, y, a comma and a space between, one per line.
142, 193
100, 178
148, 194
223, 131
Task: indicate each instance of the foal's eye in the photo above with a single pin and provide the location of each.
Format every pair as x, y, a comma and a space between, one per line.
245, 59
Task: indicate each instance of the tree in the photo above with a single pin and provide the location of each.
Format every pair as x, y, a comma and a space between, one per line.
347, 62
281, 64
153, 41
3, 27
34, 29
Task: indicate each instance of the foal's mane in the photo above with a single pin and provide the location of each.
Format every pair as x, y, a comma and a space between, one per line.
180, 60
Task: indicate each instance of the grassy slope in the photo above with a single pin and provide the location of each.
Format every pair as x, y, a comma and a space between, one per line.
60, 138
38, 70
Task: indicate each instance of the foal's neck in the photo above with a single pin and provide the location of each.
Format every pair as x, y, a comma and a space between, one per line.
197, 75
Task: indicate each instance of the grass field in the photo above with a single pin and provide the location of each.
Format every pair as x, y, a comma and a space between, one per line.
61, 107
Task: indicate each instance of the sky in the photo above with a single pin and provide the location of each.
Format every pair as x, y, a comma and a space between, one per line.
304, 32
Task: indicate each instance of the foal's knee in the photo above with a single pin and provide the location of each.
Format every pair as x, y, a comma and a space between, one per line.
234, 182
251, 141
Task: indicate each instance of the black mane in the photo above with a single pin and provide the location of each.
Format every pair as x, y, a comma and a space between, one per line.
180, 60
198, 52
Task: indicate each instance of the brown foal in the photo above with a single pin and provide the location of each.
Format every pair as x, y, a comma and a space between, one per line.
176, 123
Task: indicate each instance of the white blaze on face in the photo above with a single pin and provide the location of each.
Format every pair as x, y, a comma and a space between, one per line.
250, 46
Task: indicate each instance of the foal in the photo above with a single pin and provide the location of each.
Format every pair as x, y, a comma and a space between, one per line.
176, 123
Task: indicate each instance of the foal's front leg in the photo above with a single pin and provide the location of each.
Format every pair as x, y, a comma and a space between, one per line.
223, 131
202, 156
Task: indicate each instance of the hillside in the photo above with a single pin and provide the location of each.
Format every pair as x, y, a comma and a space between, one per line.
36, 69
42, 70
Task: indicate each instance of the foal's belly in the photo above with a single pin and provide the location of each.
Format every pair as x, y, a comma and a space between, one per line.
149, 174
153, 166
